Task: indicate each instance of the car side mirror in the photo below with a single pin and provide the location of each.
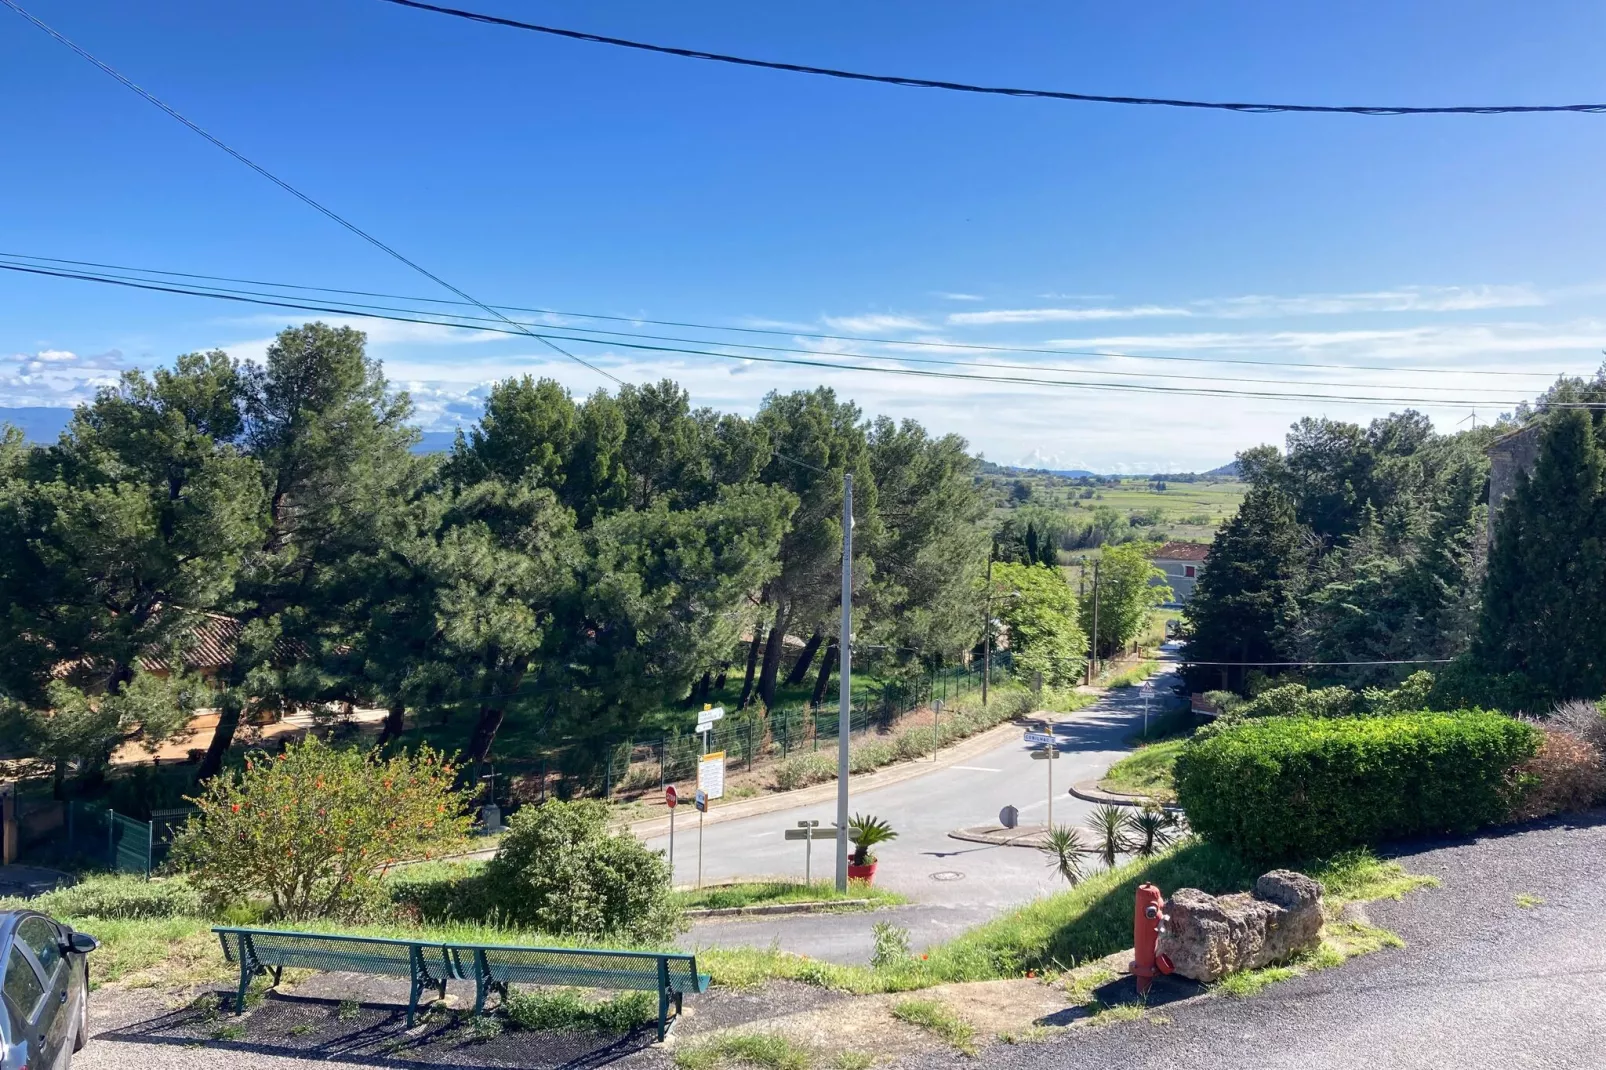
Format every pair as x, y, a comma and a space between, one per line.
82, 943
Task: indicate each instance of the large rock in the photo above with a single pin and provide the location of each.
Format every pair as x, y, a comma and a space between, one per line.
1207, 936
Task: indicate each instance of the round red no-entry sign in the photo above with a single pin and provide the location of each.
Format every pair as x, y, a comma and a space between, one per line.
669, 796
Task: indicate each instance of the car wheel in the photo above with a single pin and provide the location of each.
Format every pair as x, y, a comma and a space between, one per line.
82, 1036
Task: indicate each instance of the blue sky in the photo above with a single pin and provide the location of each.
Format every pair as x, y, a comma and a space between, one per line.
560, 175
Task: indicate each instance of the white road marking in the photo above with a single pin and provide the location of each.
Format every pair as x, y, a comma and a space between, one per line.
976, 768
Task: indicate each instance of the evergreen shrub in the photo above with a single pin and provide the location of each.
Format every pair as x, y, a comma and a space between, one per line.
1287, 788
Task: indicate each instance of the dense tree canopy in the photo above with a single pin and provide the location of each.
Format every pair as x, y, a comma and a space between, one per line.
571, 565
1355, 544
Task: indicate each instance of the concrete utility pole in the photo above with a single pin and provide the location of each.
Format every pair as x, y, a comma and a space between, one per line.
845, 703
987, 631
1093, 660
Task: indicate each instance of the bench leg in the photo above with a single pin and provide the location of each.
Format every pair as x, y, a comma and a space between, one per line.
479, 995
245, 982
412, 1001
663, 1014
278, 972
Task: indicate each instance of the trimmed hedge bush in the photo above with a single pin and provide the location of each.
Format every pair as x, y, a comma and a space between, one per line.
1287, 787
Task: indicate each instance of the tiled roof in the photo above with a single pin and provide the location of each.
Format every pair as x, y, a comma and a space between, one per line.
1182, 551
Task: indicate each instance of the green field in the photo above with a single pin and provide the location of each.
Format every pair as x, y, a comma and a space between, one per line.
1190, 511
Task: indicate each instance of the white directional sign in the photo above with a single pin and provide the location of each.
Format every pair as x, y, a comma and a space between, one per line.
706, 718
1045, 738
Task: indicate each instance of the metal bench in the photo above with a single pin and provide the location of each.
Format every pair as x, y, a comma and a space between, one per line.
258, 951
495, 967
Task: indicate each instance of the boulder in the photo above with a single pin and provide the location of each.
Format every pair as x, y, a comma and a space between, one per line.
1207, 936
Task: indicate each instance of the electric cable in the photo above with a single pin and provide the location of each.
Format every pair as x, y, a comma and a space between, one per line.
903, 342
287, 187
964, 87
799, 361
140, 273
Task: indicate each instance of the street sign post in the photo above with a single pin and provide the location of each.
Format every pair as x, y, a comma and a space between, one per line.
1048, 754
808, 832
1147, 689
700, 800
936, 732
705, 721
670, 800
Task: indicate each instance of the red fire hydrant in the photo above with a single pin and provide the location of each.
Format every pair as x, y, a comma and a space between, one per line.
1148, 917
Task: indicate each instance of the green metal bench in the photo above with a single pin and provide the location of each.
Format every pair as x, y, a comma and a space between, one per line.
495, 967
258, 951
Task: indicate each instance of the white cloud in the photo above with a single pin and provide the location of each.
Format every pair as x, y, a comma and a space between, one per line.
1404, 299
872, 323
1060, 315
957, 297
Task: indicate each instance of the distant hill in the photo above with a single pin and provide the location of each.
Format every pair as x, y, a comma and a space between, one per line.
43, 425
38, 424
1228, 469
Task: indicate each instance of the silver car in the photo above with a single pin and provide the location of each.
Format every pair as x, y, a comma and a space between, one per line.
44, 991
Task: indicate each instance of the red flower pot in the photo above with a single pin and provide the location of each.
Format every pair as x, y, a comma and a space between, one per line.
862, 873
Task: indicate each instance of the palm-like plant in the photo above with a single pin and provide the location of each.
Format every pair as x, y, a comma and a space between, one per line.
1153, 829
1064, 849
866, 831
1111, 833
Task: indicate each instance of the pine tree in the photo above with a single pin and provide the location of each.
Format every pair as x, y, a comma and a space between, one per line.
1247, 601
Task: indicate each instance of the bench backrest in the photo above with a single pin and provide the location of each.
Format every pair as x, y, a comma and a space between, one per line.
578, 967
323, 951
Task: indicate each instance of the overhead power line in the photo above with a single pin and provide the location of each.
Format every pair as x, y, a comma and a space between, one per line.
1002, 91
768, 332
287, 187
1000, 380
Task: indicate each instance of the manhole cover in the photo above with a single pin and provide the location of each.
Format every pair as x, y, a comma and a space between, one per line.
948, 875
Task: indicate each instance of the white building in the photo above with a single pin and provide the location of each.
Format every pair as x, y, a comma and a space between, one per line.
1182, 563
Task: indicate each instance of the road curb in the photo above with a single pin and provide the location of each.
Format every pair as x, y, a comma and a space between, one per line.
1089, 791
819, 906
1021, 836
966, 749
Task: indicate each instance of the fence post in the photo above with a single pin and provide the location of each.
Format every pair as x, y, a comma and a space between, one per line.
111, 841
662, 746
150, 847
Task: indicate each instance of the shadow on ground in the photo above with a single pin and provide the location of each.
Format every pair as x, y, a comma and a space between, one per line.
376, 1034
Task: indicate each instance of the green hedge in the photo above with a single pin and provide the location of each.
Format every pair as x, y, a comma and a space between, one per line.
1286, 787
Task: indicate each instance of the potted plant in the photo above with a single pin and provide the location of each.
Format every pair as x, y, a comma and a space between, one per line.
866, 831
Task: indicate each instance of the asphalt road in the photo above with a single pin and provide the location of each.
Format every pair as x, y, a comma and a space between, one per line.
954, 884
1483, 984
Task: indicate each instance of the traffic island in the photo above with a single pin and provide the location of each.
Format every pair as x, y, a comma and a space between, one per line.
1003, 836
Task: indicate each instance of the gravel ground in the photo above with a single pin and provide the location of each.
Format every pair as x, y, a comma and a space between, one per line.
1485, 983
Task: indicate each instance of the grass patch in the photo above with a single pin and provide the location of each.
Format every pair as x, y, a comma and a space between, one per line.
566, 1010
852, 1060
1109, 1014
938, 1019
1246, 983
1528, 902
767, 1051
766, 893
1147, 771
1133, 676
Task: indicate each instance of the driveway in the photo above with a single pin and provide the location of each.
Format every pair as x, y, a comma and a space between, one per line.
954, 884
1483, 983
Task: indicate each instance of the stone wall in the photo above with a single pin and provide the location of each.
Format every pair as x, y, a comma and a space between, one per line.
1207, 936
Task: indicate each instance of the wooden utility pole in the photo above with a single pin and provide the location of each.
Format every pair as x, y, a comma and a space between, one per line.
987, 631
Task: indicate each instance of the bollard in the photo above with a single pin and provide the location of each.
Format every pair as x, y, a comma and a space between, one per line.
1146, 919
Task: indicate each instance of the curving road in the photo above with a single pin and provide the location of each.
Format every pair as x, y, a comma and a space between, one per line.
954, 884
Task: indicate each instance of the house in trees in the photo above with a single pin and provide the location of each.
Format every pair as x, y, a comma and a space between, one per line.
1508, 455
1182, 563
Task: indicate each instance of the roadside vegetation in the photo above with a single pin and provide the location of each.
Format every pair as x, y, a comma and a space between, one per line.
777, 893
